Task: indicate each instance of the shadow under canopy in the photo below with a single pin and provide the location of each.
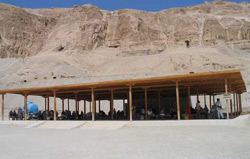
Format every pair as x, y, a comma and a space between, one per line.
209, 83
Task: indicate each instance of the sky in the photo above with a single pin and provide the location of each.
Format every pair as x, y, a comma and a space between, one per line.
147, 5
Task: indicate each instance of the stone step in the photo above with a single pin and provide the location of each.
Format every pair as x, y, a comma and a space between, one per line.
103, 125
36, 124
61, 124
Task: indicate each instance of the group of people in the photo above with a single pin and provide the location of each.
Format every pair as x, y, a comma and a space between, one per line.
139, 114
16, 115
118, 115
198, 112
65, 115
216, 111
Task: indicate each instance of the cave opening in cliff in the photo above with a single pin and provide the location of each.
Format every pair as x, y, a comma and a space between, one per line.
114, 46
187, 43
60, 48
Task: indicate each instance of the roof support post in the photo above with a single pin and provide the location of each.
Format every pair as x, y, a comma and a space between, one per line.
25, 106
237, 103
54, 105
240, 103
48, 103
99, 105
210, 102
231, 108
159, 101
226, 92
189, 98
93, 103
205, 100
130, 103
123, 102
68, 104
90, 106
84, 107
127, 112
213, 100
197, 95
169, 98
178, 101
62, 104
112, 105
234, 104
76, 103
45, 103
146, 103
2, 106
95, 107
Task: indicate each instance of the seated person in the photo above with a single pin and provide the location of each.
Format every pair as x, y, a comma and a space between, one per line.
142, 112
193, 111
213, 112
102, 113
162, 112
150, 112
88, 115
173, 113
188, 111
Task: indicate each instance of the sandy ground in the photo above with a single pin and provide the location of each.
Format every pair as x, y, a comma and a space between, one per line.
128, 142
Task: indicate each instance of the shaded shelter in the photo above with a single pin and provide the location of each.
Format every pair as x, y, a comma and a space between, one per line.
171, 87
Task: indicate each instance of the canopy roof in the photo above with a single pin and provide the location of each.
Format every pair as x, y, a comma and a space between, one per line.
201, 83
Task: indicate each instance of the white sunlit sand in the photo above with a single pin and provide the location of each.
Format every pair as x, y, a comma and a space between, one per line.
115, 139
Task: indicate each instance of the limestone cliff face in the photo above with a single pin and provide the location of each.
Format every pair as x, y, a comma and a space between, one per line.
26, 32
21, 33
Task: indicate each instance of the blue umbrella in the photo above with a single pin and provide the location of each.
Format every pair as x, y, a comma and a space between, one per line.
31, 107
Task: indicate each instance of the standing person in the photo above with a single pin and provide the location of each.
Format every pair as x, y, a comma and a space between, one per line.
198, 110
74, 115
115, 114
205, 110
20, 113
14, 115
10, 114
81, 116
219, 109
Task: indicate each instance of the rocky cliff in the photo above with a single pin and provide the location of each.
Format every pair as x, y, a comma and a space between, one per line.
26, 32
45, 47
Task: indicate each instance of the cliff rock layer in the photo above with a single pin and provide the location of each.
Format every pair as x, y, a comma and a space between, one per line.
26, 32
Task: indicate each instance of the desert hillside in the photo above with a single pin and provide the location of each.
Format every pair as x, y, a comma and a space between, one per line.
41, 47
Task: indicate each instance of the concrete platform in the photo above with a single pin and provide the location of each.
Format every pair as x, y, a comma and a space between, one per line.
241, 121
